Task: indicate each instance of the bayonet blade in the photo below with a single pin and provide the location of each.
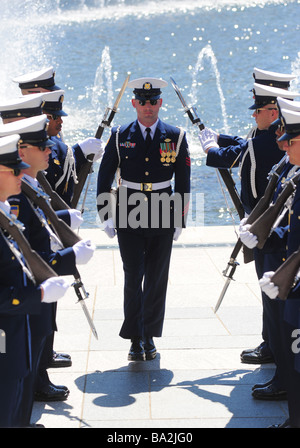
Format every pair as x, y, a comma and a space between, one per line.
115, 106
88, 317
233, 265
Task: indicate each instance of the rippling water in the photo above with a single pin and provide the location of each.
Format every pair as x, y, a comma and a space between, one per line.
208, 47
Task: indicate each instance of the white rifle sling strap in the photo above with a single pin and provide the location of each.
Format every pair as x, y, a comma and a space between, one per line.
69, 169
181, 134
55, 242
13, 247
250, 151
118, 174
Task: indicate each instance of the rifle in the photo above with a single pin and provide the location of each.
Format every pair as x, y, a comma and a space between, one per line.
263, 225
86, 168
224, 173
57, 202
285, 277
38, 270
67, 237
258, 210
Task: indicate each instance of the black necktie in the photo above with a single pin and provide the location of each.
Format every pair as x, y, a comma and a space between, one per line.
148, 138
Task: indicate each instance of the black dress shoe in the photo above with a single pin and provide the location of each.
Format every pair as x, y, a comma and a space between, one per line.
269, 392
136, 352
150, 348
60, 387
259, 355
35, 425
286, 424
60, 360
259, 386
51, 393
64, 355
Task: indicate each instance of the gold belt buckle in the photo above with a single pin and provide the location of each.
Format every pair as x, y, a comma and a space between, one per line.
146, 187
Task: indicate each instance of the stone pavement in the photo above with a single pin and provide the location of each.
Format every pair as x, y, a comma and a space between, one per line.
197, 379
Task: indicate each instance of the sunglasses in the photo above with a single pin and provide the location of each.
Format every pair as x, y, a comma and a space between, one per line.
41, 148
16, 171
293, 140
264, 108
53, 116
152, 102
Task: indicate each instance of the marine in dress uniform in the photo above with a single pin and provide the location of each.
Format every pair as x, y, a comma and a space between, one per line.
66, 161
34, 147
20, 298
147, 164
287, 237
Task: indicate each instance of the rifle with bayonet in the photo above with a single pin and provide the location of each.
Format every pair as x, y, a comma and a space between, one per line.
258, 210
37, 269
224, 173
66, 236
264, 224
57, 203
86, 169
285, 277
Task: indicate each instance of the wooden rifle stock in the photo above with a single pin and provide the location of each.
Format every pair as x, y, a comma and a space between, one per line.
57, 202
260, 208
87, 167
40, 270
284, 276
228, 181
66, 235
263, 225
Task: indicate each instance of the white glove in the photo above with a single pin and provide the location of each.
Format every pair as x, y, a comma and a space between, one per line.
84, 251
213, 134
177, 233
92, 145
109, 228
208, 139
75, 218
54, 289
267, 286
249, 239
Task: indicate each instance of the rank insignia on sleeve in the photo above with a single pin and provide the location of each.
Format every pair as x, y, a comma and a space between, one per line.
14, 209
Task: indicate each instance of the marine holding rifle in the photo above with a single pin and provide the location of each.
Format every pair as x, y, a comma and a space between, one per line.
35, 150
19, 298
65, 161
286, 237
148, 152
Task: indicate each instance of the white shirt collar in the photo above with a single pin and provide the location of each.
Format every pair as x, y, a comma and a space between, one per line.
32, 181
143, 129
5, 206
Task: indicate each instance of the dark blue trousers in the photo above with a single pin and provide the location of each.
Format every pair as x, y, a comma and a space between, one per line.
11, 400
146, 261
